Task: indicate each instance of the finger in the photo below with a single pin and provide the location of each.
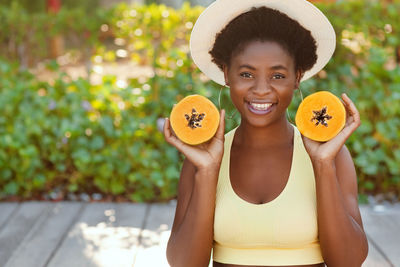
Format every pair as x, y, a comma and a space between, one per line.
221, 128
166, 131
353, 111
346, 107
168, 134
347, 102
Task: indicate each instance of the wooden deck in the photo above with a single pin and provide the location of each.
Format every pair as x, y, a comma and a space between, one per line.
109, 234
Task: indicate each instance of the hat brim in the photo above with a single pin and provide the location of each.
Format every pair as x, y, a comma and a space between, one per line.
214, 18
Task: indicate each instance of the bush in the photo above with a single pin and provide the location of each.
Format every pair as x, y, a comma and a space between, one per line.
72, 136
24, 31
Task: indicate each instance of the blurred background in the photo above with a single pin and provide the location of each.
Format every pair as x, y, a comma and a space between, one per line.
85, 84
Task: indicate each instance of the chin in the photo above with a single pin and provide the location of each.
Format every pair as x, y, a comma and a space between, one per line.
256, 120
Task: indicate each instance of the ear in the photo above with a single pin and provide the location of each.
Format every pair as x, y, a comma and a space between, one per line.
299, 76
225, 67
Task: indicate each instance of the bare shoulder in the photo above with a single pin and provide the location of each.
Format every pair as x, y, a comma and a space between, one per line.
347, 178
185, 188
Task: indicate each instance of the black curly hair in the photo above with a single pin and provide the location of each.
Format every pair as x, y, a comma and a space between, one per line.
265, 24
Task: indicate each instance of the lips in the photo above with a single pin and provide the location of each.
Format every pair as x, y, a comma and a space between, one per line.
260, 108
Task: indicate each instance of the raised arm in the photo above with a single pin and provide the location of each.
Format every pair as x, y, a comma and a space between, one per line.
340, 229
191, 237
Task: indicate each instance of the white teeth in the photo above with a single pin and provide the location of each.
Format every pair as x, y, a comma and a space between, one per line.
261, 106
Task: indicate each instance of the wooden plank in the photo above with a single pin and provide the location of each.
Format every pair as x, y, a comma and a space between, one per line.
106, 234
18, 227
155, 235
375, 258
6, 210
382, 225
45, 236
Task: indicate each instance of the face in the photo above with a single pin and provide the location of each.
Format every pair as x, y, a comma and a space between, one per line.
262, 79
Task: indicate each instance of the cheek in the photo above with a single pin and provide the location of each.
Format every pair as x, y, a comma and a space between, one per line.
286, 97
237, 96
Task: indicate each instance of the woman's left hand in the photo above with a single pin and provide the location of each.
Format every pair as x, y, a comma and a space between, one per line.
328, 150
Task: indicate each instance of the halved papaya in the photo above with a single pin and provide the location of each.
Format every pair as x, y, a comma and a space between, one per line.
194, 119
320, 116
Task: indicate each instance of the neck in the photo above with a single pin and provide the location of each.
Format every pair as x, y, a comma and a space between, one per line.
276, 134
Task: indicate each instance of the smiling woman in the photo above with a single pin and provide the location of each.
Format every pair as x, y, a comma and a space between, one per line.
263, 194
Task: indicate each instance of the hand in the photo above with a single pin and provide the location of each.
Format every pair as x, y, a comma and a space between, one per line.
328, 150
203, 156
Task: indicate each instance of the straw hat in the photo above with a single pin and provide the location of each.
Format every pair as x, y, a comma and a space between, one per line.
217, 15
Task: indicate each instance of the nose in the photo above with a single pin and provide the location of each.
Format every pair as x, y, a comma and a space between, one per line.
262, 87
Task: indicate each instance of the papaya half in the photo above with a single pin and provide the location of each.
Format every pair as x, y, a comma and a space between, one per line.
194, 119
320, 116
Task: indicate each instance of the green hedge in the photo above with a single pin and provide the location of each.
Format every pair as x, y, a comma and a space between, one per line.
26, 31
75, 137
71, 136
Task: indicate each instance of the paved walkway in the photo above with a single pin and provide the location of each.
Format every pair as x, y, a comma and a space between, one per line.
66, 234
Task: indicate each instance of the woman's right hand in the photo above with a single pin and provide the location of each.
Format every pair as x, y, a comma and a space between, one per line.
207, 156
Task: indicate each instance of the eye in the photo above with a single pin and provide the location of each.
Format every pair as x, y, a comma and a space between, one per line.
278, 76
246, 75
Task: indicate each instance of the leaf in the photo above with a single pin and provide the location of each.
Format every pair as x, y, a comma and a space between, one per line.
172, 173
117, 187
394, 167
97, 143
157, 177
5, 174
11, 188
371, 169
396, 153
72, 188
39, 181
102, 184
369, 185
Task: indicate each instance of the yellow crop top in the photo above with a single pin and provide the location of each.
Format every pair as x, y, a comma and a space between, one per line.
283, 231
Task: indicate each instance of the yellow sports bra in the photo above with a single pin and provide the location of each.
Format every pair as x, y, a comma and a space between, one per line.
283, 231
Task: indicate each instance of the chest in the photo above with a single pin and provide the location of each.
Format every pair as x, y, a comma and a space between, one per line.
259, 176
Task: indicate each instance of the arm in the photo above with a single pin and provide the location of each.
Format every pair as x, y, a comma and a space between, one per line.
342, 238
192, 232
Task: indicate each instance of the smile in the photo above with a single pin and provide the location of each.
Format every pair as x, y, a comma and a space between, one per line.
260, 108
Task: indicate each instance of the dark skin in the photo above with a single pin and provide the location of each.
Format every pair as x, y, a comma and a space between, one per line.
270, 76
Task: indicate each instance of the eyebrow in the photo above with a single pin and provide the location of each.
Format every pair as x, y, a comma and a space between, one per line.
276, 67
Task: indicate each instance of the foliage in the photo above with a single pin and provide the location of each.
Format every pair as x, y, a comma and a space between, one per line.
365, 67
103, 138
23, 31
83, 137
40, 6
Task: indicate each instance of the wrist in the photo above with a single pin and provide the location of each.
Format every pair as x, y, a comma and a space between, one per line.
208, 170
322, 164
209, 167
322, 160
210, 173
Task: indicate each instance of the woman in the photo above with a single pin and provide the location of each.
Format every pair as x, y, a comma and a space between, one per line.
263, 194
